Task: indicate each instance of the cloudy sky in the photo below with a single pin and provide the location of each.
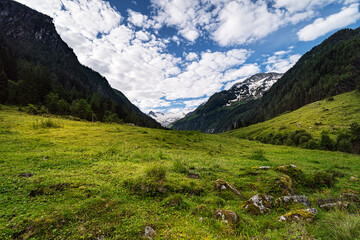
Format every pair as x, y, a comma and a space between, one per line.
172, 55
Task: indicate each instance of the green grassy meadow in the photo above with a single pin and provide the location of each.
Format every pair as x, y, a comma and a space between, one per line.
332, 116
65, 179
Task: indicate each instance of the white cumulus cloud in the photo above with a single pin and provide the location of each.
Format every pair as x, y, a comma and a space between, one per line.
321, 26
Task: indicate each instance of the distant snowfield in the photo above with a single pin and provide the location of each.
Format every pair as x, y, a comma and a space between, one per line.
168, 118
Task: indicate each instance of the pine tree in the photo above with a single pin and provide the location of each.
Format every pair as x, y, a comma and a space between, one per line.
4, 87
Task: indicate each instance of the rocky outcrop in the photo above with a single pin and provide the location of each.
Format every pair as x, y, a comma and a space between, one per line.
286, 200
258, 204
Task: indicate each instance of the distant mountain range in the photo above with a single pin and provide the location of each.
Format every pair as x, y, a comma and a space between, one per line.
331, 68
166, 119
38, 67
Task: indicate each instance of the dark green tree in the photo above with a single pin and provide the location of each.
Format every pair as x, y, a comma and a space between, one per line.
326, 143
4, 87
80, 108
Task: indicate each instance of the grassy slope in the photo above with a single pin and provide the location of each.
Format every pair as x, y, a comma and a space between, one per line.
78, 192
330, 116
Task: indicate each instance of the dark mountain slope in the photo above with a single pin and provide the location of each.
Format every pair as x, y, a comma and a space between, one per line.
30, 45
331, 68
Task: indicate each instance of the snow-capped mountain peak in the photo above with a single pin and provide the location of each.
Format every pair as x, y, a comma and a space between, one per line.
253, 87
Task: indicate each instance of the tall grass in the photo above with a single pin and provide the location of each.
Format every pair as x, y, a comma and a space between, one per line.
339, 225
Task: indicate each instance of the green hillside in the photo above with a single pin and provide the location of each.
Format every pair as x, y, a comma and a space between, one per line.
63, 179
333, 115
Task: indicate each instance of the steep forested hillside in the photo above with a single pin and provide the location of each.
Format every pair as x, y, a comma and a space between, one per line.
37, 67
331, 68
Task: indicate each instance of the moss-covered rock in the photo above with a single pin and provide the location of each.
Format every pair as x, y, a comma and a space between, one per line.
335, 205
288, 200
221, 185
258, 204
281, 185
291, 170
303, 215
227, 216
350, 195
319, 179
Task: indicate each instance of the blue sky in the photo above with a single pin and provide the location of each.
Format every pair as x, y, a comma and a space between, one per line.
172, 55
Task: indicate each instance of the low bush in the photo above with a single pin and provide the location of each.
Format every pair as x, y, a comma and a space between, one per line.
47, 123
326, 143
31, 109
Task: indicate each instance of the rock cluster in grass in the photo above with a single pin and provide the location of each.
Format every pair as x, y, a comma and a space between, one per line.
286, 200
304, 215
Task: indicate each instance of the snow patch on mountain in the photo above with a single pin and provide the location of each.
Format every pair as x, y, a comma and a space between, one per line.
167, 118
253, 87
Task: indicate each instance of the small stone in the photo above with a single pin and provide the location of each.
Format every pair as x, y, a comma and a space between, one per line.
331, 206
350, 197
193, 175
150, 233
264, 167
25, 174
313, 211
354, 179
227, 216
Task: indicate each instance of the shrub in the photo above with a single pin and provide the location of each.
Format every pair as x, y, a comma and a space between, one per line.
48, 123
113, 118
355, 131
31, 109
344, 145
326, 143
311, 144
300, 137
43, 110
